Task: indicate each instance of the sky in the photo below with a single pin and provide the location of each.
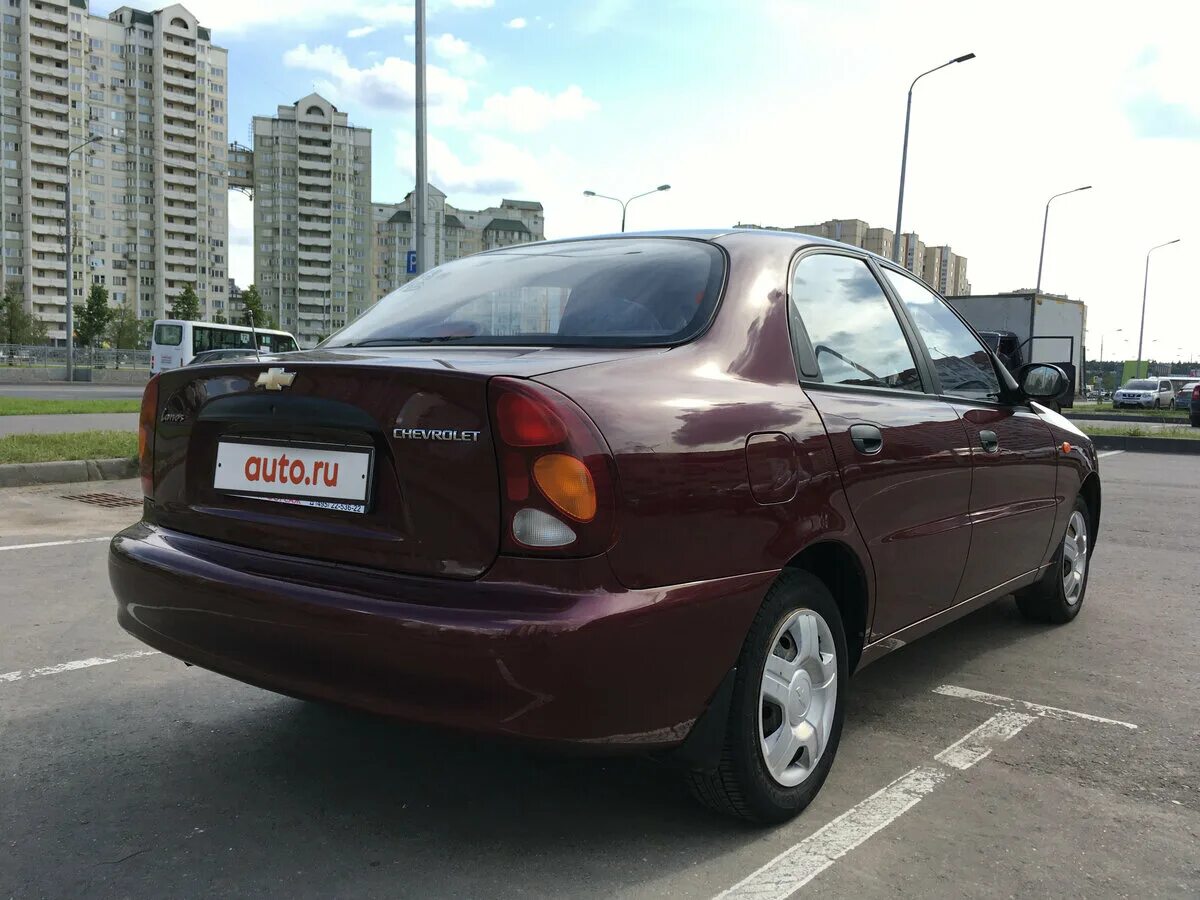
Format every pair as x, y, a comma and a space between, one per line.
782, 112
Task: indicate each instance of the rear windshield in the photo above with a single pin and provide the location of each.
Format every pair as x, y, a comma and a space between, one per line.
1142, 386
168, 335
625, 292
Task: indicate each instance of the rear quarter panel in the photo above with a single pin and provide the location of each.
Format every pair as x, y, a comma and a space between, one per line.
678, 424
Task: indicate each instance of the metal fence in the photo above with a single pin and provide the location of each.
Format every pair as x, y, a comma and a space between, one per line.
85, 357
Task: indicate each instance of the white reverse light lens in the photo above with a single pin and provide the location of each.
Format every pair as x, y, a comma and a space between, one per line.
534, 528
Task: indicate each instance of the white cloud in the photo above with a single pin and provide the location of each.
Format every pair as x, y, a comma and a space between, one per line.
457, 53
362, 32
387, 85
518, 22
526, 109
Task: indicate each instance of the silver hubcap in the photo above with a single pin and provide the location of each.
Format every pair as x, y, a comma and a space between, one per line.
798, 697
1075, 558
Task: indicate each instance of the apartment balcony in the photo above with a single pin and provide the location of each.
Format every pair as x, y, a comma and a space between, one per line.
319, 286
179, 63
315, 241
57, 192
181, 227
55, 139
179, 178
42, 67
47, 241
181, 274
49, 104
177, 79
180, 92
47, 30
188, 113
319, 271
316, 167
47, 9
310, 210
48, 280
49, 156
314, 225
310, 194
180, 129
181, 213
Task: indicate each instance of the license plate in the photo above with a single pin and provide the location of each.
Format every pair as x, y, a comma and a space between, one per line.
331, 477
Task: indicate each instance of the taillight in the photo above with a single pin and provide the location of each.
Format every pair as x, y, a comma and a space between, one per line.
146, 419
1196, 392
556, 472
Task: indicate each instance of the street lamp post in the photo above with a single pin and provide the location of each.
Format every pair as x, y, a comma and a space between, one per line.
70, 324
904, 153
1145, 284
420, 210
625, 203
1045, 222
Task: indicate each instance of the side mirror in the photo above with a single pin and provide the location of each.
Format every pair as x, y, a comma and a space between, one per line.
1042, 381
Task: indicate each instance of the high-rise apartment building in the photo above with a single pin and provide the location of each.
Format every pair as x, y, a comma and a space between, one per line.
312, 216
150, 203
938, 267
454, 233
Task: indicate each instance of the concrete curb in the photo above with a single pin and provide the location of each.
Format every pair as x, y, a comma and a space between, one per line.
1125, 417
66, 471
1146, 444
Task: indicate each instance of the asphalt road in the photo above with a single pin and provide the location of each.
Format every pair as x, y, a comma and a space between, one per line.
64, 391
142, 777
76, 422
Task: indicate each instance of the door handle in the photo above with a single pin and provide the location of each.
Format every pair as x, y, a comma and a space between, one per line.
990, 442
867, 439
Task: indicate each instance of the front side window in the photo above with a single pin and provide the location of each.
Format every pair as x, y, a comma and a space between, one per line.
855, 335
611, 293
963, 364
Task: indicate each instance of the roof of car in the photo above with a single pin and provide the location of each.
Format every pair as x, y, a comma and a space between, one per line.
712, 234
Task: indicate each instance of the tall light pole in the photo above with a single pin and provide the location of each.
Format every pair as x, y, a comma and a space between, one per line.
1145, 284
625, 203
420, 198
70, 324
904, 153
1045, 222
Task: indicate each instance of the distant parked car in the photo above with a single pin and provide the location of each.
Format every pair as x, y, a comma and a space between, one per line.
1145, 393
221, 355
1183, 399
1194, 407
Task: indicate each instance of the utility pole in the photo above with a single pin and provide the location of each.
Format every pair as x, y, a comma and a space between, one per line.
420, 197
70, 323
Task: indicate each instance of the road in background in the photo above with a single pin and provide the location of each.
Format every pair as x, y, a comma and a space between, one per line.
138, 776
64, 391
76, 422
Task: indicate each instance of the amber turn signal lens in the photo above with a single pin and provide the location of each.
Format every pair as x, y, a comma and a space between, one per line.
1066, 448
567, 483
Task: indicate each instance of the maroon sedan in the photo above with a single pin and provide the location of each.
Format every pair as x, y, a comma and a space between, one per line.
654, 492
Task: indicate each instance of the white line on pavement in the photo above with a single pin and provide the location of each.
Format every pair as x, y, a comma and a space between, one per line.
799, 865
1108, 453
1053, 712
92, 540
21, 675
977, 745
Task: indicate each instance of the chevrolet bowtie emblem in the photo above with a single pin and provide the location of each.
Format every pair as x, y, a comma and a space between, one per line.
275, 379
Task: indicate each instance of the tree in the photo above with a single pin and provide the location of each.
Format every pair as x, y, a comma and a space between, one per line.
220, 319
187, 305
125, 330
252, 303
92, 317
16, 325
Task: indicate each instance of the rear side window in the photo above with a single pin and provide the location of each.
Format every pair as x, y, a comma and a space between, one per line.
963, 365
854, 333
168, 335
625, 293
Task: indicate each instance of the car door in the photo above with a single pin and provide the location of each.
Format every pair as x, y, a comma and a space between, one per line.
1015, 461
902, 453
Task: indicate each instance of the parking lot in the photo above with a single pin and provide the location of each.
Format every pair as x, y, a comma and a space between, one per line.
994, 758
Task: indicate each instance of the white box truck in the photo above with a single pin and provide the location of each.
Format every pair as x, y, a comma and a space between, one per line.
1024, 327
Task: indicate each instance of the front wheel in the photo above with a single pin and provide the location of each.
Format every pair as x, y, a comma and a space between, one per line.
1058, 596
785, 719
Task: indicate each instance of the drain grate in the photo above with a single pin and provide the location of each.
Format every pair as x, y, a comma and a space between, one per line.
108, 501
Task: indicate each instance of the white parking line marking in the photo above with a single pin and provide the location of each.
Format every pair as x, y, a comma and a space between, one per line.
1108, 453
798, 865
801, 863
21, 675
977, 745
1053, 712
94, 540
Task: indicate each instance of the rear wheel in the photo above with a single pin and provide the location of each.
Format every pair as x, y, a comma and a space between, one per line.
1058, 597
788, 704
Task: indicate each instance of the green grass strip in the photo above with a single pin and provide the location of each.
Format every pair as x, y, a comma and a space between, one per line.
32, 448
31, 406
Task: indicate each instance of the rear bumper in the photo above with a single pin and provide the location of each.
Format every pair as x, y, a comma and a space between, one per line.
545, 650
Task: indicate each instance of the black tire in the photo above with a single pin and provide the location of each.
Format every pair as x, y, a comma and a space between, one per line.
741, 785
1046, 601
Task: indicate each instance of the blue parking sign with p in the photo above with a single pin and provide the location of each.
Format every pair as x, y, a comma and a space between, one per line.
412, 262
